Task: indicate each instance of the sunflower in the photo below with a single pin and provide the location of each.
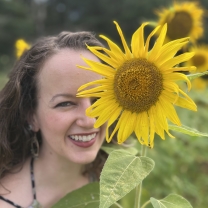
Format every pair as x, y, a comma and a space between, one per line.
138, 87
21, 46
200, 60
184, 19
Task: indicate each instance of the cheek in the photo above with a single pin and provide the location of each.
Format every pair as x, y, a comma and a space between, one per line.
52, 121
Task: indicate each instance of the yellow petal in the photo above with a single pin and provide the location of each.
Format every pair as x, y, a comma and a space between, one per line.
108, 139
148, 40
96, 82
190, 103
170, 86
188, 68
126, 48
116, 60
169, 111
167, 53
176, 60
137, 128
114, 51
145, 128
176, 77
127, 126
152, 116
100, 55
182, 102
158, 44
161, 121
170, 96
105, 115
113, 118
137, 42
99, 68
96, 110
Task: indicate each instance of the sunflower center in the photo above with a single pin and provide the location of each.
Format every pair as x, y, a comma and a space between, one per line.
198, 60
180, 25
138, 84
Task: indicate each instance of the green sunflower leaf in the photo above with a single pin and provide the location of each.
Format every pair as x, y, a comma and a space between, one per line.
85, 197
129, 147
187, 130
122, 172
108, 150
196, 75
171, 201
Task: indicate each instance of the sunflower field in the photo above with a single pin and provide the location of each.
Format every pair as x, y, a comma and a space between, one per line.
154, 87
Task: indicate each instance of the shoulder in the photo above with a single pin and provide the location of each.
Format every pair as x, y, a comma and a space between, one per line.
16, 187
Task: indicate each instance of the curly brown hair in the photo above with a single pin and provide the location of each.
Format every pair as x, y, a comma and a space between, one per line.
18, 99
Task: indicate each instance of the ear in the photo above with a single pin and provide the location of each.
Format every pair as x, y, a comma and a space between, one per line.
33, 122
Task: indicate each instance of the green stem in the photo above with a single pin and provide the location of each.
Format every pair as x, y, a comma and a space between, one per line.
118, 205
143, 150
145, 204
138, 195
139, 187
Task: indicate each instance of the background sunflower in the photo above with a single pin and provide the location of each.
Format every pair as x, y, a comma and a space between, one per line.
200, 60
184, 19
20, 46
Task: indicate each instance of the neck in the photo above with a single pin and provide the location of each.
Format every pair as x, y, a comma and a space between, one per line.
57, 176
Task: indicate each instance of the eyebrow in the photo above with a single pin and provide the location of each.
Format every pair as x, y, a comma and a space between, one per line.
61, 95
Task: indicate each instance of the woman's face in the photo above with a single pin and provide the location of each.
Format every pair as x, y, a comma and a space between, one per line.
60, 116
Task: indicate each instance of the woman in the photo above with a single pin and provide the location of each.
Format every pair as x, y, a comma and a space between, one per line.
41, 118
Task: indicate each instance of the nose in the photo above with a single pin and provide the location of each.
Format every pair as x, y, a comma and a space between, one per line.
82, 119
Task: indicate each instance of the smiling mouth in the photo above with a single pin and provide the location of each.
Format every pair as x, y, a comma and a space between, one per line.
83, 138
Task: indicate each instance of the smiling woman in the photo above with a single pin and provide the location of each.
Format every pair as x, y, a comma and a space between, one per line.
48, 146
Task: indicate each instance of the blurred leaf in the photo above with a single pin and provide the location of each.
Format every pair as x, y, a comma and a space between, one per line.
199, 96
171, 201
3, 79
122, 172
193, 76
187, 130
85, 197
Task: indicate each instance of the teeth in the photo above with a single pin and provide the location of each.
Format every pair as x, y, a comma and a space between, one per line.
84, 138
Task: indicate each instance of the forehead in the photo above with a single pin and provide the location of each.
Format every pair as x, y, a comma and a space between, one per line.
60, 71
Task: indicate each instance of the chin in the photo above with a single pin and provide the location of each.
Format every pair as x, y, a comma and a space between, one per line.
84, 159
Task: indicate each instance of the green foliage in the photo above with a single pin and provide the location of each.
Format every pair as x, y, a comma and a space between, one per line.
181, 163
3, 79
122, 172
196, 75
15, 22
187, 130
171, 201
85, 197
